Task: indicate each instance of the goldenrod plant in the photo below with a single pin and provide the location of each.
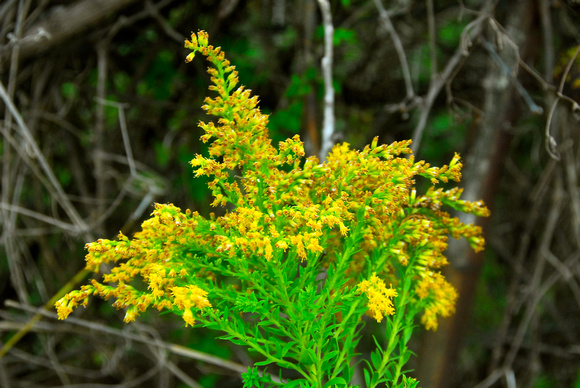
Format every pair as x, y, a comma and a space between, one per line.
302, 251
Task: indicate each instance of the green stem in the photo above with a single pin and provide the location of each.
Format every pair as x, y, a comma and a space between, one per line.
329, 286
343, 352
396, 328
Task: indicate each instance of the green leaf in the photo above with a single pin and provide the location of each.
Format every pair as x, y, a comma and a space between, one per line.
342, 35
286, 348
335, 382
69, 90
329, 356
367, 377
265, 362
375, 359
302, 383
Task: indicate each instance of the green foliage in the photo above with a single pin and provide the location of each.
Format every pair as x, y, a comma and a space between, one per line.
341, 36
544, 382
289, 119
445, 133
69, 90
449, 34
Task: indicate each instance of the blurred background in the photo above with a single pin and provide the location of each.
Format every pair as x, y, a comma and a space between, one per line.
98, 120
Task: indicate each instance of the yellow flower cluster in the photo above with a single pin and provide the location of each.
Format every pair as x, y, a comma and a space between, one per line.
285, 212
439, 296
380, 297
155, 255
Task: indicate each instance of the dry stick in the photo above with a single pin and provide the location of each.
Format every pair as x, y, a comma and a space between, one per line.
496, 375
432, 43
176, 349
566, 274
169, 31
519, 88
8, 218
98, 139
547, 236
181, 375
538, 292
14, 257
5, 7
65, 22
156, 350
571, 173
31, 359
551, 144
48, 305
546, 286
39, 216
384, 15
328, 121
153, 189
150, 334
24, 155
536, 198
547, 86
62, 198
48, 345
548, 39
470, 32
124, 21
124, 133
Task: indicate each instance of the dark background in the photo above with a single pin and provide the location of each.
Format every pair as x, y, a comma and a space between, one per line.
495, 81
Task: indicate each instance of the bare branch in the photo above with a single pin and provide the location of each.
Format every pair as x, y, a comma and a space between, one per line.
520, 89
170, 31
62, 197
432, 43
174, 348
471, 31
551, 144
64, 23
398, 47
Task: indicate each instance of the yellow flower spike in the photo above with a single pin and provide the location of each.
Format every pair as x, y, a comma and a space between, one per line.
429, 320
188, 317
440, 296
380, 297
63, 307
202, 38
343, 229
193, 43
282, 245
131, 313
268, 251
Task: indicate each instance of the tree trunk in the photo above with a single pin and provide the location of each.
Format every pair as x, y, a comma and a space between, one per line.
439, 354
